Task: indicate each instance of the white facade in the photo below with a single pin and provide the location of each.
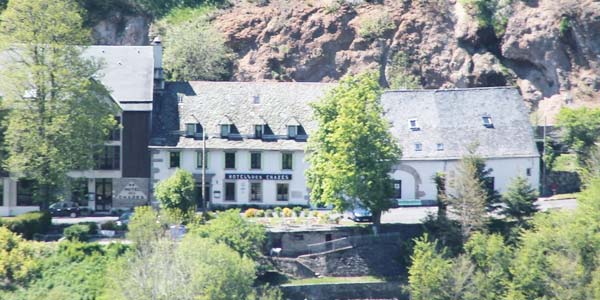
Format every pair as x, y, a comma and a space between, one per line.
268, 176
417, 183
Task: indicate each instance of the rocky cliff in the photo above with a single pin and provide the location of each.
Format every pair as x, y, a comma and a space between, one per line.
549, 48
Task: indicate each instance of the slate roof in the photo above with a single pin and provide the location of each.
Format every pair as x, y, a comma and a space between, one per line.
454, 118
127, 71
278, 104
449, 117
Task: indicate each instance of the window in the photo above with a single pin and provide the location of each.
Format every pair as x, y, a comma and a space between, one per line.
225, 130
109, 158
283, 192
115, 133
292, 131
418, 147
199, 160
190, 129
397, 189
258, 131
174, 159
286, 161
440, 147
256, 191
229, 160
229, 191
412, 123
487, 121
528, 171
25, 188
255, 160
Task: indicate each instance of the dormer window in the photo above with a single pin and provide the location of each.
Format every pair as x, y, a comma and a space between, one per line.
225, 130
259, 131
292, 131
418, 147
440, 147
413, 124
193, 130
487, 122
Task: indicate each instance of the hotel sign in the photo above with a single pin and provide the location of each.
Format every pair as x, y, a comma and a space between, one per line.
258, 176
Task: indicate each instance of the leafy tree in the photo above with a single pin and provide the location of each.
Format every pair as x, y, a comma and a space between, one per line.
58, 113
194, 50
482, 173
144, 228
195, 268
177, 192
580, 129
491, 259
18, 261
429, 274
353, 151
519, 200
230, 228
467, 198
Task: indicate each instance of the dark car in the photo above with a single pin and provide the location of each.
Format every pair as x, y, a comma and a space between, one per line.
124, 218
65, 209
360, 214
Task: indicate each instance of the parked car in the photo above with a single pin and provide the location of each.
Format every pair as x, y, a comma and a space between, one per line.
66, 209
124, 218
360, 214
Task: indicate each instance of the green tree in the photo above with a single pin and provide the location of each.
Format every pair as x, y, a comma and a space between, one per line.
144, 228
580, 129
194, 50
352, 151
177, 192
491, 259
230, 228
18, 261
59, 114
195, 268
482, 173
467, 198
430, 272
519, 200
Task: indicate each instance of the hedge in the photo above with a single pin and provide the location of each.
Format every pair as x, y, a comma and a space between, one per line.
28, 224
78, 232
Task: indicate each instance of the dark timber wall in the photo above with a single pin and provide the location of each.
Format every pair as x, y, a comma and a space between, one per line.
136, 135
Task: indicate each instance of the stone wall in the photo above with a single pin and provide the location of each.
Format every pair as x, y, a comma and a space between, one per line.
292, 267
382, 291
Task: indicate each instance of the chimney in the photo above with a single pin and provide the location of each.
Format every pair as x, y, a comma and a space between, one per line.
159, 78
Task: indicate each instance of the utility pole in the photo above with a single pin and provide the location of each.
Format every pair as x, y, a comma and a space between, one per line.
203, 185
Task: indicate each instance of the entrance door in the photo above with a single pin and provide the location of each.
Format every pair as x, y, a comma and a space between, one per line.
199, 199
103, 194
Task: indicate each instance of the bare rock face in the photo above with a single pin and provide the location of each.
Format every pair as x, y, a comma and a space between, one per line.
121, 29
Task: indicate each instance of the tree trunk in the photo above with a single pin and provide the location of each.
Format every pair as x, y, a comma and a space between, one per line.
376, 222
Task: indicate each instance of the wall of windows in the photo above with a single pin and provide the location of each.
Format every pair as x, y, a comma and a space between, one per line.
109, 158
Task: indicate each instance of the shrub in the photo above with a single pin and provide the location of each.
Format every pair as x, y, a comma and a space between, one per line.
297, 210
250, 213
376, 25
28, 224
564, 26
287, 212
17, 258
110, 225
306, 212
269, 213
260, 213
77, 232
93, 226
177, 191
278, 211
315, 214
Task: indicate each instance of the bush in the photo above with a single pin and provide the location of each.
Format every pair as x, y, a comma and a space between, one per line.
376, 25
287, 212
28, 224
77, 232
110, 225
250, 213
269, 213
297, 210
278, 211
260, 213
306, 212
93, 227
315, 214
